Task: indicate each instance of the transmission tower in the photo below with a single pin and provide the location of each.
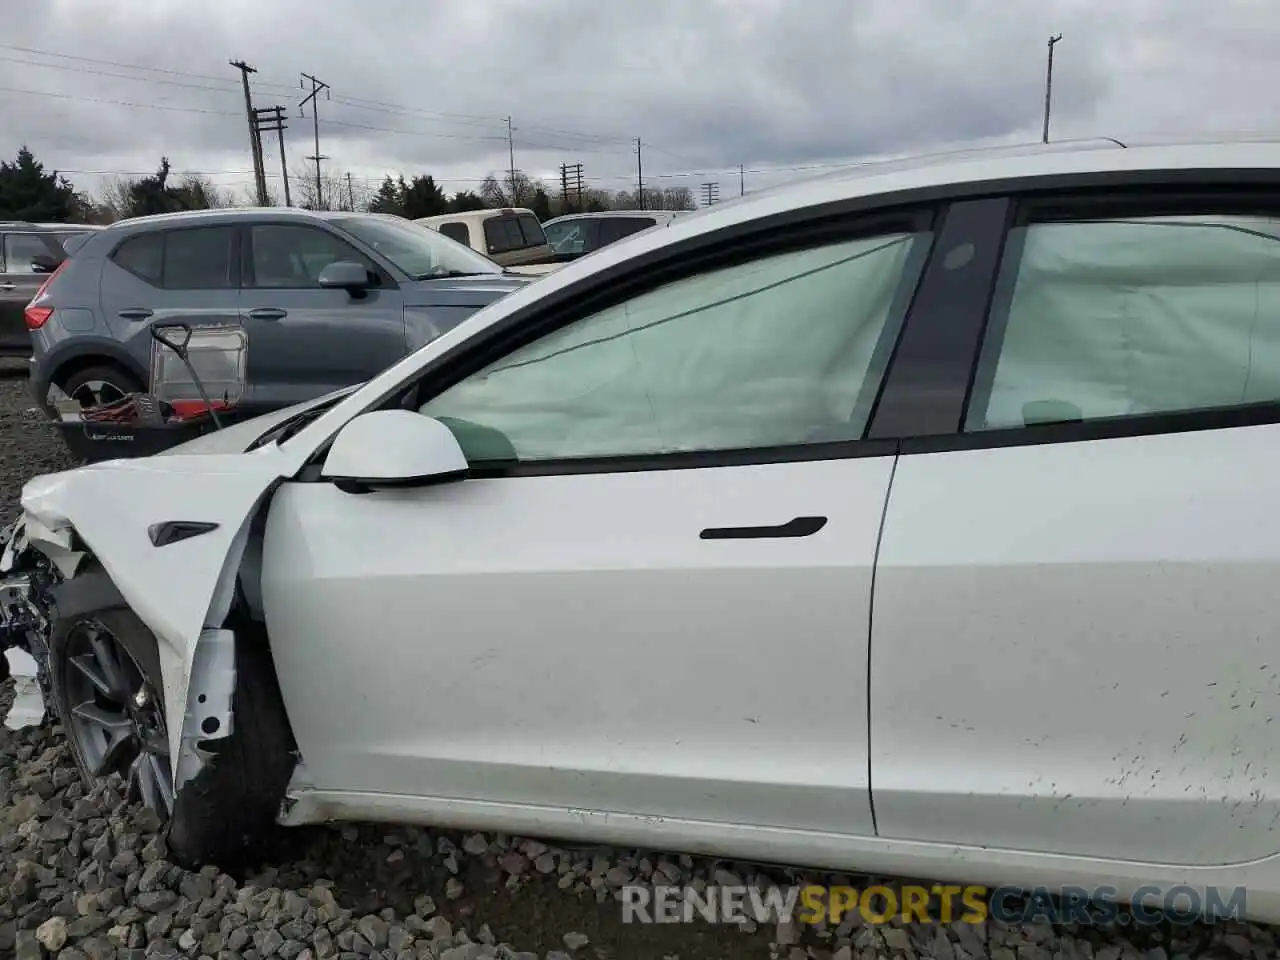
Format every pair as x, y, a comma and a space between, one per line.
571, 187
710, 193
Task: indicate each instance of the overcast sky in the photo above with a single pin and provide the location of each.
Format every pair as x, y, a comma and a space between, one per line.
783, 88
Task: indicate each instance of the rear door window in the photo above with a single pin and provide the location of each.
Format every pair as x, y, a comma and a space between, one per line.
199, 259
615, 228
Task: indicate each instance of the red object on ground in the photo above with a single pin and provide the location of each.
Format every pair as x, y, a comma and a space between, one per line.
190, 409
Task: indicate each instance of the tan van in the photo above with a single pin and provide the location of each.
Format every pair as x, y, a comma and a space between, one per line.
510, 236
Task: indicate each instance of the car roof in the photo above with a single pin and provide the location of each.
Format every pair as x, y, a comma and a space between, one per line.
475, 215
597, 214
46, 227
245, 214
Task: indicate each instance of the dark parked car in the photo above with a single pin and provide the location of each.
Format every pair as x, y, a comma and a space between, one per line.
320, 300
29, 252
577, 234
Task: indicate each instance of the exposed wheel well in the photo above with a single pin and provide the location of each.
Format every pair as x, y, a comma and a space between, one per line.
70, 367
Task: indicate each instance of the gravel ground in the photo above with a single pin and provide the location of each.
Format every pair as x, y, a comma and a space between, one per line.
28, 444
83, 875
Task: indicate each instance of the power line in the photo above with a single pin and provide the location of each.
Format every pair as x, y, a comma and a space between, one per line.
225, 85
116, 63
119, 103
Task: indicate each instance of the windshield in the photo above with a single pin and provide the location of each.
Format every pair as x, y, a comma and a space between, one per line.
419, 251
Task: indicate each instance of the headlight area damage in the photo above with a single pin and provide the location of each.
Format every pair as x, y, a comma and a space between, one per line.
133, 584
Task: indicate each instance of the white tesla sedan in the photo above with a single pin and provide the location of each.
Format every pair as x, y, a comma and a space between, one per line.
917, 520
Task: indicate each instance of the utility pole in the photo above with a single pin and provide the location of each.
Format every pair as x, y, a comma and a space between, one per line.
742, 183
1048, 87
351, 194
639, 179
271, 120
313, 99
511, 153
255, 141
710, 193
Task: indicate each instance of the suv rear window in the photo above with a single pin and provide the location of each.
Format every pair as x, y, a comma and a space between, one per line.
502, 234
532, 230
507, 233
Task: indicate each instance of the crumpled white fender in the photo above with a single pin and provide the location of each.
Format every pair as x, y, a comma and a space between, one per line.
182, 590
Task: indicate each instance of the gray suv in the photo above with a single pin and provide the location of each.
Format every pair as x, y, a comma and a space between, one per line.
325, 299
29, 252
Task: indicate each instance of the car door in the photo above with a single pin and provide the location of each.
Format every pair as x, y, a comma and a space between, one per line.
653, 594
306, 340
1074, 643
19, 282
184, 274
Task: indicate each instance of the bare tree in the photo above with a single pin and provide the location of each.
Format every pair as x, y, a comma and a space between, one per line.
114, 198
247, 196
118, 197
505, 193
302, 189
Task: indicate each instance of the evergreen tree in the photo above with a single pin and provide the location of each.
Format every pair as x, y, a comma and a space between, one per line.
541, 205
422, 197
465, 200
389, 198
28, 193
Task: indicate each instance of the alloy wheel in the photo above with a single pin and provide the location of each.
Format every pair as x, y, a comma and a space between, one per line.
115, 717
95, 393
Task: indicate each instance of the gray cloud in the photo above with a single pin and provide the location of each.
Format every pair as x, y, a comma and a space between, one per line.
423, 86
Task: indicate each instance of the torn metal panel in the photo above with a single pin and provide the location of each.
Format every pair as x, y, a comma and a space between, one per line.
28, 706
208, 706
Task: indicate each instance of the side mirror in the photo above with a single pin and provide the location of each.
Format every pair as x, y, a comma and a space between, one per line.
43, 263
393, 449
345, 275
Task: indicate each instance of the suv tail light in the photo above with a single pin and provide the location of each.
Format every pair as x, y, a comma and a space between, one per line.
36, 317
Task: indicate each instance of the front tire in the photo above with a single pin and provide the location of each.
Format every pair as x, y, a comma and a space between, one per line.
115, 727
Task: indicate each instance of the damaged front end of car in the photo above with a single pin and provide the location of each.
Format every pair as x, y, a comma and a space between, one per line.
167, 547
27, 578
